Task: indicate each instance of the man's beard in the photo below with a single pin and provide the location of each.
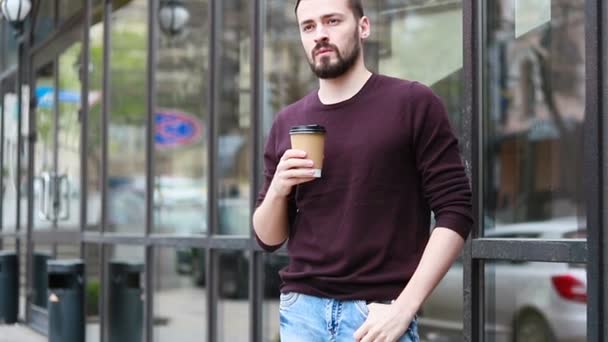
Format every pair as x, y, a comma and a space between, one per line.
328, 70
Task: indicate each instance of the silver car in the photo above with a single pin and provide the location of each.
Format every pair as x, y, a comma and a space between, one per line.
525, 301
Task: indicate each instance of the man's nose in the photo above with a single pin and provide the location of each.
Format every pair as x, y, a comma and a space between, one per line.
321, 34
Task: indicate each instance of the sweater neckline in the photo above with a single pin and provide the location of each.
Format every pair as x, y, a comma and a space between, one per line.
317, 101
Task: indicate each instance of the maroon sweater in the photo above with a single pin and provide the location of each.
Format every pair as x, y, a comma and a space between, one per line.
390, 158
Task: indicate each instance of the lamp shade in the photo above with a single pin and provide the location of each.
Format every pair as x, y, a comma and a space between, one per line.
15, 10
173, 17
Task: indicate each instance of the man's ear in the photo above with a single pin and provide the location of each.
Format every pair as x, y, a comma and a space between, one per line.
364, 27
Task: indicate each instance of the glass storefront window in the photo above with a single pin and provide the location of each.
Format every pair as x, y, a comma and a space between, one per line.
93, 154
287, 77
3, 45
233, 116
233, 302
273, 263
45, 20
179, 295
524, 301
57, 173
44, 167
533, 301
533, 98
68, 139
127, 123
181, 121
441, 313
68, 252
3, 27
421, 42
533, 118
92, 264
11, 52
10, 169
68, 8
8, 245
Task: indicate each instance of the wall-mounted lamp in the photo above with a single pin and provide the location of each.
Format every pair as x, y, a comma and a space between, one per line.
15, 11
173, 17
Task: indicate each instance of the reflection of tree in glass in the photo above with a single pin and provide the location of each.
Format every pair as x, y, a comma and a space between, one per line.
128, 58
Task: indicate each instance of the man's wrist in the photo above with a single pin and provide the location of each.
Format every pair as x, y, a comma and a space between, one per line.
274, 195
407, 305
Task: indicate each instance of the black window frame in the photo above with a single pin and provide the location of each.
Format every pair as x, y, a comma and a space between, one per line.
478, 249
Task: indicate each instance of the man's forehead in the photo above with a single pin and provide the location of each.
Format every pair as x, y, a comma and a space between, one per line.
314, 9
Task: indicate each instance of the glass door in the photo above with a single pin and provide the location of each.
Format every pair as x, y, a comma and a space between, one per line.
67, 176
56, 160
44, 156
57, 150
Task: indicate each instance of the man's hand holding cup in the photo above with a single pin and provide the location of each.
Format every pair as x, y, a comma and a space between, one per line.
303, 162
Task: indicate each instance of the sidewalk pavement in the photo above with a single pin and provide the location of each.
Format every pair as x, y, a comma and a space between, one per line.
19, 333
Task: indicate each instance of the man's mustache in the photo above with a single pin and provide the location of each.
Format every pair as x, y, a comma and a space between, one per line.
323, 46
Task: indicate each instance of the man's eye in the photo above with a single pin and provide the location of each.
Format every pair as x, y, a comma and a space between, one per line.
307, 28
333, 21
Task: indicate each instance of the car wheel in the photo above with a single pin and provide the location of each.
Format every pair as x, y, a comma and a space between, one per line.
530, 326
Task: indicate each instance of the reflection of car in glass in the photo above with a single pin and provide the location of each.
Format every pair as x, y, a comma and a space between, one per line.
180, 208
234, 220
234, 271
126, 208
526, 301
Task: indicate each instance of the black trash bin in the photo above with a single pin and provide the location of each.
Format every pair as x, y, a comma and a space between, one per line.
66, 300
8, 287
39, 279
125, 302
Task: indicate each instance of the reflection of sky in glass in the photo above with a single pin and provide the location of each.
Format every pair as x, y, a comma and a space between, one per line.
530, 14
424, 47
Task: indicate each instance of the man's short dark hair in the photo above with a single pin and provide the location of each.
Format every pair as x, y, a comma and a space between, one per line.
355, 5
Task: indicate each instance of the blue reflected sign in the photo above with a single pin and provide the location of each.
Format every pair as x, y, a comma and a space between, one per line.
175, 128
45, 96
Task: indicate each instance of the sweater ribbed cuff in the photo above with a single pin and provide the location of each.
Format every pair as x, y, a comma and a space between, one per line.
267, 248
457, 222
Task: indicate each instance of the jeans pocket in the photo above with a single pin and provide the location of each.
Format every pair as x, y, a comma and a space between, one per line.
361, 306
288, 299
412, 330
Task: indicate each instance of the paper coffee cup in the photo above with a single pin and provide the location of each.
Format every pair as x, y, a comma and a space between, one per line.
310, 138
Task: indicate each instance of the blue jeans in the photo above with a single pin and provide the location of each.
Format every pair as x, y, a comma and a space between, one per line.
307, 318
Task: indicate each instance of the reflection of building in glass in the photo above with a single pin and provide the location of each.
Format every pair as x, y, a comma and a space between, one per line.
536, 112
